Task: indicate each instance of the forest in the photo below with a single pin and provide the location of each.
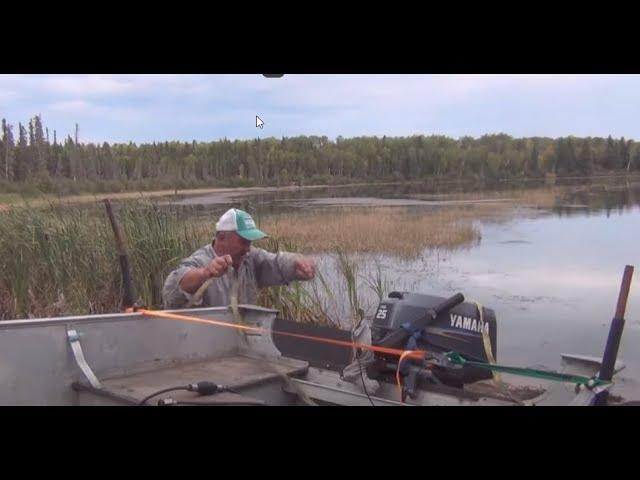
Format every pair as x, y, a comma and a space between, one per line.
33, 159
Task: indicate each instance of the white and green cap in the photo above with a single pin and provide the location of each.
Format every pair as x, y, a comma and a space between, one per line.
239, 221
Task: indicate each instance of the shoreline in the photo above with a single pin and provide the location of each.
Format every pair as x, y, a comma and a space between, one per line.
84, 198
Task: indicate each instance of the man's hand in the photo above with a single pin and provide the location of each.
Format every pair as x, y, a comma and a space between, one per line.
218, 266
305, 268
195, 277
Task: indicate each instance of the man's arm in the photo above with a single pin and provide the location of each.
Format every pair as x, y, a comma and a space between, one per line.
280, 268
192, 272
195, 277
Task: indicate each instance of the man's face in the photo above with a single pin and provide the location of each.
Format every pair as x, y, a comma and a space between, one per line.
237, 247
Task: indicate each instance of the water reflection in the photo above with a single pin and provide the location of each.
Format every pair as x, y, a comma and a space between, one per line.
567, 198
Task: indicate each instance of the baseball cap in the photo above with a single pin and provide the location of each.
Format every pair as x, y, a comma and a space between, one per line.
239, 221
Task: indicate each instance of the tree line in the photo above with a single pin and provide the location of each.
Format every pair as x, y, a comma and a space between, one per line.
31, 157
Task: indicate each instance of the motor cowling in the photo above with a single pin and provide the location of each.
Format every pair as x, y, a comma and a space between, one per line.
459, 329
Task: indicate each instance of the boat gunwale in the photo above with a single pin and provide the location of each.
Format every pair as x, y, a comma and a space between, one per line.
122, 316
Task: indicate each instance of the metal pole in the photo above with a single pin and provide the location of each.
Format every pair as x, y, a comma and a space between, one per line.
615, 334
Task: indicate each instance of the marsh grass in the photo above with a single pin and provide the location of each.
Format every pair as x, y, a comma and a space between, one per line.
395, 231
60, 260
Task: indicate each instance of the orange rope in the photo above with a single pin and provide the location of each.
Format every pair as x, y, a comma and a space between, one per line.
416, 354
405, 354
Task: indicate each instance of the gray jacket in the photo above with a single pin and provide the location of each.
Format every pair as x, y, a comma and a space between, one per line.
259, 269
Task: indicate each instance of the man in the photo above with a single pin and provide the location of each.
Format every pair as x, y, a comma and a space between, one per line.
253, 268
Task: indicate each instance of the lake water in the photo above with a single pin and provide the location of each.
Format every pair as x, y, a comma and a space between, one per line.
552, 275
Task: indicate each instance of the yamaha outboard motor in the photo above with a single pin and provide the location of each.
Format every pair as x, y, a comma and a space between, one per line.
414, 321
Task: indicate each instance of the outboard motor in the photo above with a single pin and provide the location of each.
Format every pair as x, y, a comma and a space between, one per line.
415, 321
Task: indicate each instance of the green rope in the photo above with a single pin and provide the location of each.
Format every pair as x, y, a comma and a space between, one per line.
457, 359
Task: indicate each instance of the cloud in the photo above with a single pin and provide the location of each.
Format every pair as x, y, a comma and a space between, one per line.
70, 106
183, 107
86, 85
7, 96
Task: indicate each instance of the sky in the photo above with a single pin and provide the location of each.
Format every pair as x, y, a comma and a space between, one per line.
147, 108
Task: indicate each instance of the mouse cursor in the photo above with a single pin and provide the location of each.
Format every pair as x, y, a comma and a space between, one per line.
259, 122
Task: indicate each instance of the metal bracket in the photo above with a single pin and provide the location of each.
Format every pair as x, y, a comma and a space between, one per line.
74, 341
586, 365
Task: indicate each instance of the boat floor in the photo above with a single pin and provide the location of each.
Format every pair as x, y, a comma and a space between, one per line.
238, 372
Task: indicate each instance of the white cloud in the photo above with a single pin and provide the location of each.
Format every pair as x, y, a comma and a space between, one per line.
401, 90
70, 106
87, 85
7, 96
302, 91
177, 105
